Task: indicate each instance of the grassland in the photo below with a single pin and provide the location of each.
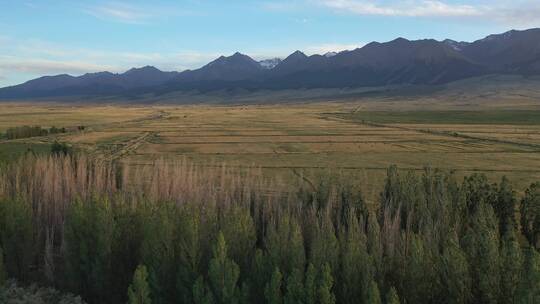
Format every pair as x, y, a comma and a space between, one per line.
301, 139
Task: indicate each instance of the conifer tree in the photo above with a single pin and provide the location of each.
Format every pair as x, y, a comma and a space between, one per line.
238, 229
311, 285
201, 292
158, 252
139, 291
189, 253
481, 244
88, 234
529, 288
530, 214
295, 288
392, 296
3, 274
261, 273
373, 295
505, 206
511, 266
272, 292
285, 244
16, 237
454, 273
326, 282
356, 269
223, 274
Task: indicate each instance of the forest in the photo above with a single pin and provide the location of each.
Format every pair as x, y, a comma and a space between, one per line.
174, 232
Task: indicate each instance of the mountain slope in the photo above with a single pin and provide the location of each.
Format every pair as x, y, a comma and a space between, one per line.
397, 62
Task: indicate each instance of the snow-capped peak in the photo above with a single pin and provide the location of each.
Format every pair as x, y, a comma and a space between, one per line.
269, 63
330, 54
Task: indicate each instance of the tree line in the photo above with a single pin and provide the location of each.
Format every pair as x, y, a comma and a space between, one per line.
430, 238
31, 131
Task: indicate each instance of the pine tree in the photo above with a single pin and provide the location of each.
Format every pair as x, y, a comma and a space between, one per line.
88, 234
511, 263
529, 288
3, 274
326, 282
295, 288
454, 273
481, 244
272, 292
373, 295
356, 266
139, 291
158, 252
239, 230
261, 273
285, 245
530, 214
505, 206
16, 237
311, 285
223, 274
188, 253
392, 296
201, 292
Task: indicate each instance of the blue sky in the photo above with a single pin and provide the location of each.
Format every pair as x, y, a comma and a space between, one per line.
75, 37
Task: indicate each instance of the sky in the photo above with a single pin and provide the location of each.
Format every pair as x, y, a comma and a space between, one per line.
75, 37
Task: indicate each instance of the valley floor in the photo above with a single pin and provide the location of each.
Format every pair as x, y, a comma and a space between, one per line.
356, 140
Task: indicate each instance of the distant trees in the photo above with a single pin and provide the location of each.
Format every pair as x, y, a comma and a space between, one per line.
31, 131
431, 239
60, 149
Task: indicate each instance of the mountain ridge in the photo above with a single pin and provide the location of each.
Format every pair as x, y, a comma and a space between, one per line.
397, 62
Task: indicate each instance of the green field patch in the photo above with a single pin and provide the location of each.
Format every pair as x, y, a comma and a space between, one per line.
509, 117
12, 151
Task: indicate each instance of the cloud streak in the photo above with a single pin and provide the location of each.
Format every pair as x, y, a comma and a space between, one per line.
518, 13
129, 13
424, 8
119, 12
332, 47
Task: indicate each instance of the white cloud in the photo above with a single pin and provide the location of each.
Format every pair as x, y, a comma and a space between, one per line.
42, 66
517, 13
331, 47
126, 12
119, 12
414, 8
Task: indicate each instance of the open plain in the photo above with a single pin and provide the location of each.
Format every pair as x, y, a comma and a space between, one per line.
354, 140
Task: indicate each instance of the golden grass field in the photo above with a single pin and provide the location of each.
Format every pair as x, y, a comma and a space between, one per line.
359, 141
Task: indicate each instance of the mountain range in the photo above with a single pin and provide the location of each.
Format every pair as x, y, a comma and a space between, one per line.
398, 62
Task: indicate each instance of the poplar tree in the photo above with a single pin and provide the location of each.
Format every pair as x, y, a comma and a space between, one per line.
201, 292
272, 292
529, 288
3, 274
326, 282
392, 296
454, 273
530, 214
139, 291
295, 288
88, 234
311, 285
223, 273
482, 246
511, 266
373, 295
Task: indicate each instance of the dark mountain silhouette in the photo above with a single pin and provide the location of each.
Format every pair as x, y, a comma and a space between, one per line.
397, 62
511, 52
